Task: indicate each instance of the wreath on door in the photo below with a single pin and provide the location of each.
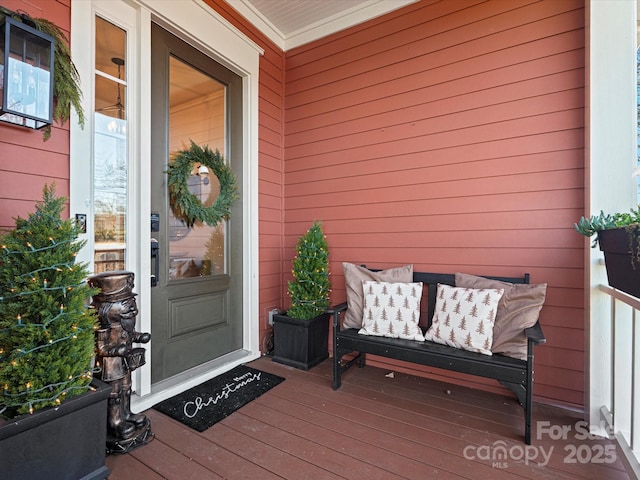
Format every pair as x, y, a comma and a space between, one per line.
184, 204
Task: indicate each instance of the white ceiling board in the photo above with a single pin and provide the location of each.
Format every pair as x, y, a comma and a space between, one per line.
291, 23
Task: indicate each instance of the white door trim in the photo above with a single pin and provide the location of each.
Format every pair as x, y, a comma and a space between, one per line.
201, 26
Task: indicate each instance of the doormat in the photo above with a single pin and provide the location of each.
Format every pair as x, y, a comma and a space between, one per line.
211, 401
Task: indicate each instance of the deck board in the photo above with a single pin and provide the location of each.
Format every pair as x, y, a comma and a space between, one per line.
308, 443
374, 427
194, 446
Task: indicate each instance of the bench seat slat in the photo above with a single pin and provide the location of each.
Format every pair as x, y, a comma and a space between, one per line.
433, 354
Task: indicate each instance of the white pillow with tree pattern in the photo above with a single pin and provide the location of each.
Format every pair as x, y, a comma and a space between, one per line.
464, 318
392, 310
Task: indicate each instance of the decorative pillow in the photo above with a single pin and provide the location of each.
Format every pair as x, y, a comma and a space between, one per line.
354, 275
518, 309
464, 318
392, 310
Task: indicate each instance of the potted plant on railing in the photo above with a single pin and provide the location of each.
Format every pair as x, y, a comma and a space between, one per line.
617, 236
52, 414
300, 336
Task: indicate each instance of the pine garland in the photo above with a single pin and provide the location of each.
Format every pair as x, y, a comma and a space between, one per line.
185, 205
47, 338
66, 79
310, 288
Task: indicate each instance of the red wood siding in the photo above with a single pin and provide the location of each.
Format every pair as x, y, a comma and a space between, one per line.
27, 162
449, 135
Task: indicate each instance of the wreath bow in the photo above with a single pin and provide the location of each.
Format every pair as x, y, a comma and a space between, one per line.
184, 204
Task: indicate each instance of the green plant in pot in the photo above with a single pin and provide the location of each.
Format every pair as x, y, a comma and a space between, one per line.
300, 336
617, 236
47, 348
309, 290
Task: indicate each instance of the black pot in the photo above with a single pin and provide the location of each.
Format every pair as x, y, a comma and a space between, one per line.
300, 343
623, 271
63, 443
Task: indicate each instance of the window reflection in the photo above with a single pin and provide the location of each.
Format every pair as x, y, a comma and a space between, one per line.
197, 112
110, 160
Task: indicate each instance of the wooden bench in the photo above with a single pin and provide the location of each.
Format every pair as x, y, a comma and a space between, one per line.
513, 373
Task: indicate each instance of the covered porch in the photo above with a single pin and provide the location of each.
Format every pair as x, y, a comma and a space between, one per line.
471, 135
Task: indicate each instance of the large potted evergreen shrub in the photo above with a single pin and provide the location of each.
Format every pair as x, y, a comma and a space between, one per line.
300, 336
53, 413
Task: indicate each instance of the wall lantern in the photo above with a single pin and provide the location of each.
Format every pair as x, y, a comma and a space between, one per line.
26, 75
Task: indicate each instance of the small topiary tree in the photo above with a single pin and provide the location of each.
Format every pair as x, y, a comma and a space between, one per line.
47, 338
310, 287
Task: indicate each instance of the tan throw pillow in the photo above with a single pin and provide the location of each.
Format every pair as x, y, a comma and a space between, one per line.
518, 309
464, 318
354, 275
392, 310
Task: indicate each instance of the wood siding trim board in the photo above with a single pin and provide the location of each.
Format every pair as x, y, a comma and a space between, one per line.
450, 135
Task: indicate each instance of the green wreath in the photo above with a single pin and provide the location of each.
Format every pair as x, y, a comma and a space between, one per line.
185, 205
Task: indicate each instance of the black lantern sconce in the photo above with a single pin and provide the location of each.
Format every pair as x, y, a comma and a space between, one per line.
26, 75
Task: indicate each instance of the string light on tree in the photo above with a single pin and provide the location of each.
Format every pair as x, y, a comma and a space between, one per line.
46, 331
310, 288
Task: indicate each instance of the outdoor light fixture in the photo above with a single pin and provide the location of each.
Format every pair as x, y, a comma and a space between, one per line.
203, 173
26, 75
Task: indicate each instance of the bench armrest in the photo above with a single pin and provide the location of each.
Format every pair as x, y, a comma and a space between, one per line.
535, 334
335, 312
336, 308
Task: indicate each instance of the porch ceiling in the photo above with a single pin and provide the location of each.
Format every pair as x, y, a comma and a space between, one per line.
291, 23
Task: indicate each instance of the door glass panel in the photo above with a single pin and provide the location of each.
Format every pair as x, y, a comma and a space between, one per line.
196, 112
110, 148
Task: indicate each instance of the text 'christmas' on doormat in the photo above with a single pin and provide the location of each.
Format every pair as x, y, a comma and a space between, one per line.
211, 401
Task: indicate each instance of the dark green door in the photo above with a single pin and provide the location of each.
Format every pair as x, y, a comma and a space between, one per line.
196, 304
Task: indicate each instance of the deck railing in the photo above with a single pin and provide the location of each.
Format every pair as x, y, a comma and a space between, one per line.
622, 414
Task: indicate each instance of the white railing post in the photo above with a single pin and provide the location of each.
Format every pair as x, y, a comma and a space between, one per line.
623, 413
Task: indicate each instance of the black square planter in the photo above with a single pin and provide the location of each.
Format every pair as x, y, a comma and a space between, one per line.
300, 343
62, 443
623, 271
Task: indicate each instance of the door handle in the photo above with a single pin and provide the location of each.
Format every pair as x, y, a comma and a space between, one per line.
155, 262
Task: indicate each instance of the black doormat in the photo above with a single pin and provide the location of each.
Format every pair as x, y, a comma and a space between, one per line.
211, 401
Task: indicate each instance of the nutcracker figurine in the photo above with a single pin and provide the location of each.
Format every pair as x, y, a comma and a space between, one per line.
117, 358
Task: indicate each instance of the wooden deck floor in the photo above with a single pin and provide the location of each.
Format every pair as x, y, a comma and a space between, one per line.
374, 427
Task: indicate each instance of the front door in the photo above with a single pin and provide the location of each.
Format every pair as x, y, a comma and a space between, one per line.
196, 298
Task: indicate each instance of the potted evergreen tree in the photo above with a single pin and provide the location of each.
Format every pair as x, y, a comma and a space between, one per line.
300, 336
617, 236
53, 416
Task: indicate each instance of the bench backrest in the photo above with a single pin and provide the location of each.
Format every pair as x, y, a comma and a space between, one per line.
431, 280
